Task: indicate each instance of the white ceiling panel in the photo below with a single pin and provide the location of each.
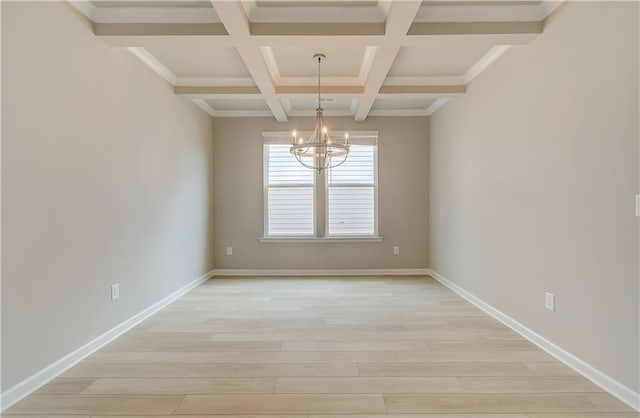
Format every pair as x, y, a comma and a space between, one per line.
199, 59
238, 104
402, 104
439, 57
299, 62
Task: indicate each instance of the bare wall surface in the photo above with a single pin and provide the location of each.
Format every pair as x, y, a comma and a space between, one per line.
402, 200
533, 176
105, 179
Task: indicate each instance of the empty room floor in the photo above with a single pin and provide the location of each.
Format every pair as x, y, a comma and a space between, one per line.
321, 348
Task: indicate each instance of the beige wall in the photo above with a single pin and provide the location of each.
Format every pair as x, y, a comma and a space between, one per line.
402, 200
533, 176
105, 178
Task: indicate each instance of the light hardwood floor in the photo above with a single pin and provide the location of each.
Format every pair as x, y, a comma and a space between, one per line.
403, 347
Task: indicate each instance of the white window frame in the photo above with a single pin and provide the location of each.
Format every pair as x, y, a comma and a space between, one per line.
321, 191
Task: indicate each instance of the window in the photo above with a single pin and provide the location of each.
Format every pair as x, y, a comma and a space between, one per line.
336, 203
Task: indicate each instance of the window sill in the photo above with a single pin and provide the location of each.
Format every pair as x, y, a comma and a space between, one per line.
320, 240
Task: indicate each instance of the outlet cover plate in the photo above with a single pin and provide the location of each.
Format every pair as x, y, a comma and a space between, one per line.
550, 301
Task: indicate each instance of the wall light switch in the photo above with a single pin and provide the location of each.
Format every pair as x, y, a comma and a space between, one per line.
115, 291
396, 250
229, 250
550, 301
638, 205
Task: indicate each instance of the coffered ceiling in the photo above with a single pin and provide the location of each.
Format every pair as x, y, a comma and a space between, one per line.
254, 57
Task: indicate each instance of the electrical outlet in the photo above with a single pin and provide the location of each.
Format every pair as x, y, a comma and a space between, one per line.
550, 301
638, 205
396, 250
229, 250
115, 291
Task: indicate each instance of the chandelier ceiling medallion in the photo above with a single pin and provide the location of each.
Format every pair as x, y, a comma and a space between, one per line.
320, 150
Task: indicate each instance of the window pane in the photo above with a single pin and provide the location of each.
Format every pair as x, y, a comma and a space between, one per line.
290, 211
351, 210
359, 167
284, 168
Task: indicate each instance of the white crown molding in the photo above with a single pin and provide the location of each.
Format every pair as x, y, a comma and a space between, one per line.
322, 272
204, 105
484, 62
606, 382
549, 6
153, 63
45, 375
214, 81
85, 7
437, 104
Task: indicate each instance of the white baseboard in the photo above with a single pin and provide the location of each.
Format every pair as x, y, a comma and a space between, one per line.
37, 380
323, 272
606, 382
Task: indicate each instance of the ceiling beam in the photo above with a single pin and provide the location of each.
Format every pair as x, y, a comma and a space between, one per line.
159, 29
317, 29
236, 22
474, 28
399, 20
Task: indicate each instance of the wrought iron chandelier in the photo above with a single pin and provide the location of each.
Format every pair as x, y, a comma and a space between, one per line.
320, 151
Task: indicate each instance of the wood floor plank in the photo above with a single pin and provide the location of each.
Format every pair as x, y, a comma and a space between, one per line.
368, 385
443, 369
177, 386
281, 404
484, 403
128, 370
66, 386
486, 384
550, 369
272, 370
113, 405
473, 356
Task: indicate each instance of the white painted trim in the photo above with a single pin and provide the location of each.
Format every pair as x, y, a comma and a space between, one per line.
323, 272
316, 240
270, 61
606, 382
436, 105
204, 105
153, 63
85, 7
484, 62
42, 377
549, 6
367, 61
